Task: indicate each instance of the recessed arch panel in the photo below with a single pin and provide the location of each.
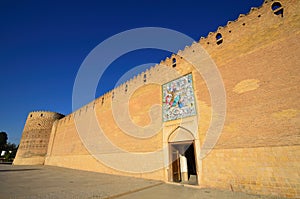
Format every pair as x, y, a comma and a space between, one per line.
180, 134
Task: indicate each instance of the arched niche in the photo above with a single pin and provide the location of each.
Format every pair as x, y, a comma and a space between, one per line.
180, 134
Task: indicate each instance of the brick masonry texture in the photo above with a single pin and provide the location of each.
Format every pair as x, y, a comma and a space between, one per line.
259, 148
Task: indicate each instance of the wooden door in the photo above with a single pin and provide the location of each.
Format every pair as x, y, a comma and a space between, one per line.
176, 166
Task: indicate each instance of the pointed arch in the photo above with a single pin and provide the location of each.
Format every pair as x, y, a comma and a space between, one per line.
180, 134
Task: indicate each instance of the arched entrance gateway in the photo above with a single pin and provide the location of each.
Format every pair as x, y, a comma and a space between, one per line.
180, 131
182, 157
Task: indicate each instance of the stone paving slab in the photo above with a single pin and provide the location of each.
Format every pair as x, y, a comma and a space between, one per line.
47, 182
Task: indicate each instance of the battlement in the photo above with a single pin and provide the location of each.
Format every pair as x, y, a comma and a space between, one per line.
238, 34
269, 8
233, 33
242, 28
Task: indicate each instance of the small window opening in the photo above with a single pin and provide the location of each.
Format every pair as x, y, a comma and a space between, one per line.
145, 78
30, 115
277, 8
219, 38
113, 95
244, 24
102, 101
42, 115
229, 31
173, 62
126, 88
259, 16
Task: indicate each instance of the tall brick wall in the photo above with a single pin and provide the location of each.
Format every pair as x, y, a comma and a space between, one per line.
35, 138
258, 149
67, 149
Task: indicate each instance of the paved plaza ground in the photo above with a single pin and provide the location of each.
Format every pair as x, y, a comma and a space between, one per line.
31, 182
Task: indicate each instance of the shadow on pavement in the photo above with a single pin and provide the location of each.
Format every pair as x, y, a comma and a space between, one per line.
16, 170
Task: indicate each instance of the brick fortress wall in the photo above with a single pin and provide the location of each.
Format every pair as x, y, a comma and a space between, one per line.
258, 150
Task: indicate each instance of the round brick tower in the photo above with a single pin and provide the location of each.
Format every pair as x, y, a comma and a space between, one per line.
35, 138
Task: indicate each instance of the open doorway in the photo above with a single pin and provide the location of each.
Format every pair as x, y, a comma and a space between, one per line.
183, 162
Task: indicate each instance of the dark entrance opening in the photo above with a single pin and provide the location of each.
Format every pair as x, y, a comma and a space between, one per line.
183, 167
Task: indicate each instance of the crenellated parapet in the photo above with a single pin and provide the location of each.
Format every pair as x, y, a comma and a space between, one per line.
234, 39
246, 23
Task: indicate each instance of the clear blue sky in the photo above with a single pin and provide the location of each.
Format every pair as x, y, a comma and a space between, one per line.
43, 43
